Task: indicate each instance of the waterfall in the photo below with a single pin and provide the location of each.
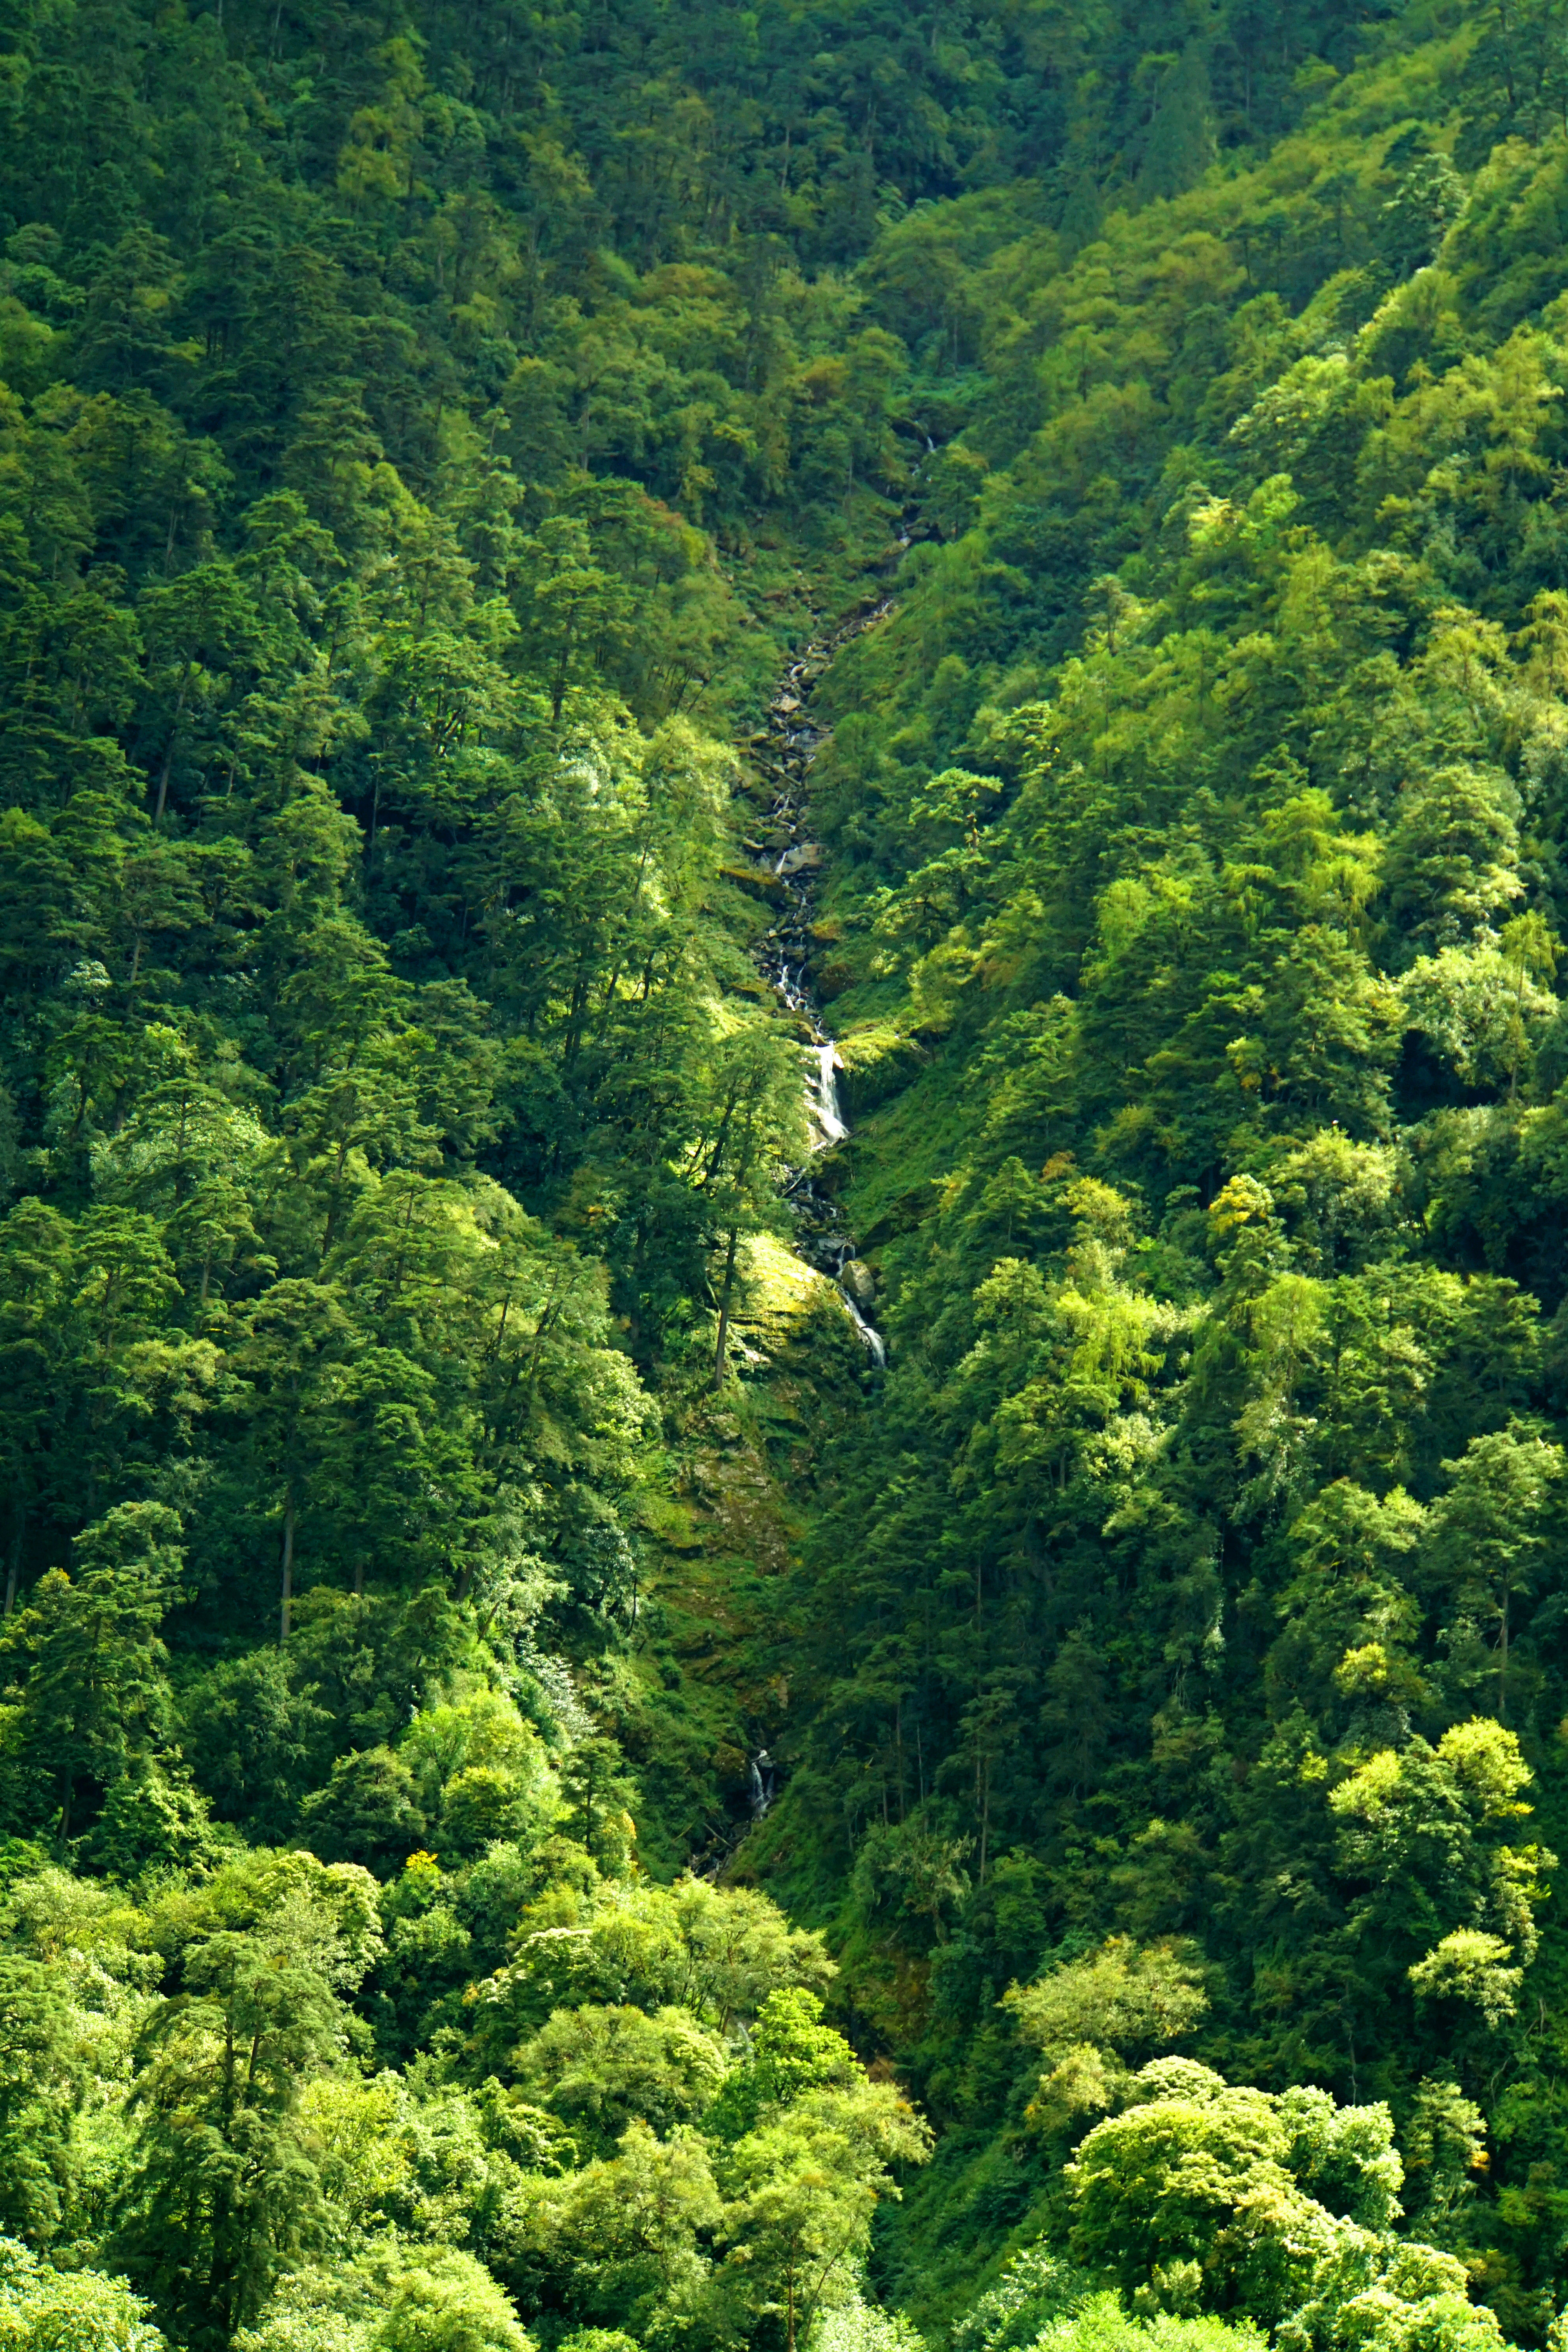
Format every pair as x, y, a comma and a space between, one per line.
822, 1095
761, 1782
783, 957
875, 1346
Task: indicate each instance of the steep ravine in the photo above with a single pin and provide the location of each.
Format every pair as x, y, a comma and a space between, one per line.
784, 751
751, 1454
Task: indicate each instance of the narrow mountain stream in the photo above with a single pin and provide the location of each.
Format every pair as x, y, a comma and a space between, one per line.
785, 753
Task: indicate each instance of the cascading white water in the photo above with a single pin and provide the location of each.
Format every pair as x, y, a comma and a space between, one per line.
822, 1096
828, 1126
875, 1346
792, 742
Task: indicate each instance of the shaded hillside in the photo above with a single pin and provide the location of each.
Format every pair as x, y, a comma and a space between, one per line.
432, 1474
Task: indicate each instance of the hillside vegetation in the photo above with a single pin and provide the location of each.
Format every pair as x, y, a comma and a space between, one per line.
436, 1481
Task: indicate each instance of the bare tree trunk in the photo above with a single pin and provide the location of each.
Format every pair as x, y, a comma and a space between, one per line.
287, 1610
14, 1565
173, 741
719, 1353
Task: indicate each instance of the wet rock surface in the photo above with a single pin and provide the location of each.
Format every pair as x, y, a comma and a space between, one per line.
783, 754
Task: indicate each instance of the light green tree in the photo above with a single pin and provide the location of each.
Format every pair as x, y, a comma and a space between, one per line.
45, 2310
597, 2068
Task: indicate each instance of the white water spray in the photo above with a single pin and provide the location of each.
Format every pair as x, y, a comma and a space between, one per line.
784, 960
822, 1096
875, 1345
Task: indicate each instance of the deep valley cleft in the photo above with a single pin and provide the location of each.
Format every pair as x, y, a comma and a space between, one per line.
785, 753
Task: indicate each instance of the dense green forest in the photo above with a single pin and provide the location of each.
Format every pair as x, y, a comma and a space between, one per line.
563, 570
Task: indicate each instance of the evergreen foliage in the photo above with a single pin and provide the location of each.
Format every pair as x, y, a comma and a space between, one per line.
435, 1485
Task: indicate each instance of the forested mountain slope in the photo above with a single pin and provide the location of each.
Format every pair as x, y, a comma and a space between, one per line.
436, 1477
